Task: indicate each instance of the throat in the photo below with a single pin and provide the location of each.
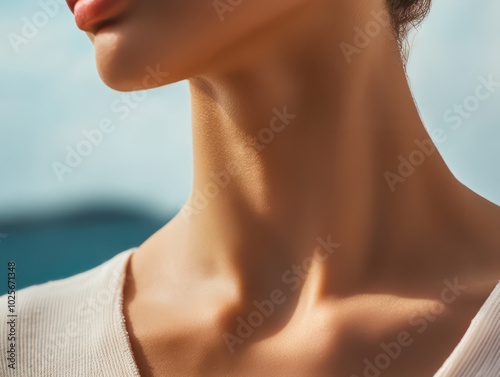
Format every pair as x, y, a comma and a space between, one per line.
309, 145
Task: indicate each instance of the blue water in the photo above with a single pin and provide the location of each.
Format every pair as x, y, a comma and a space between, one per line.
58, 247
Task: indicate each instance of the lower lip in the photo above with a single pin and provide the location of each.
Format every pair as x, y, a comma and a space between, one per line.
89, 14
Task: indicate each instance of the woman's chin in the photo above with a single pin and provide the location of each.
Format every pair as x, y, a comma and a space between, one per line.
118, 77
125, 66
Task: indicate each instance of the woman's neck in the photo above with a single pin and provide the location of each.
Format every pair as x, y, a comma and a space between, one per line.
323, 141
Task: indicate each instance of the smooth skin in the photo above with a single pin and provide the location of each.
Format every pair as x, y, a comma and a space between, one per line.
322, 175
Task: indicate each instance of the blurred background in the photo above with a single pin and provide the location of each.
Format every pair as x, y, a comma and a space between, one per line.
56, 223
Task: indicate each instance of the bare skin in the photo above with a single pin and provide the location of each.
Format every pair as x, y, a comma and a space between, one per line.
322, 175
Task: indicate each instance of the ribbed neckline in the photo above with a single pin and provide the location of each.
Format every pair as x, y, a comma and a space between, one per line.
119, 315
468, 352
489, 313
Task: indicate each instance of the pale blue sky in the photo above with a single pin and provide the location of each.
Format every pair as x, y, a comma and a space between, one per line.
50, 92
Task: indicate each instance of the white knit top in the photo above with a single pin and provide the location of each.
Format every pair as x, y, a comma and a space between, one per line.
75, 327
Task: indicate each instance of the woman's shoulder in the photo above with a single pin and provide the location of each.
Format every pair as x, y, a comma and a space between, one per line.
94, 284
56, 322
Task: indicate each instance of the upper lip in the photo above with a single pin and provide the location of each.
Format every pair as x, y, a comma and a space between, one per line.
71, 5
